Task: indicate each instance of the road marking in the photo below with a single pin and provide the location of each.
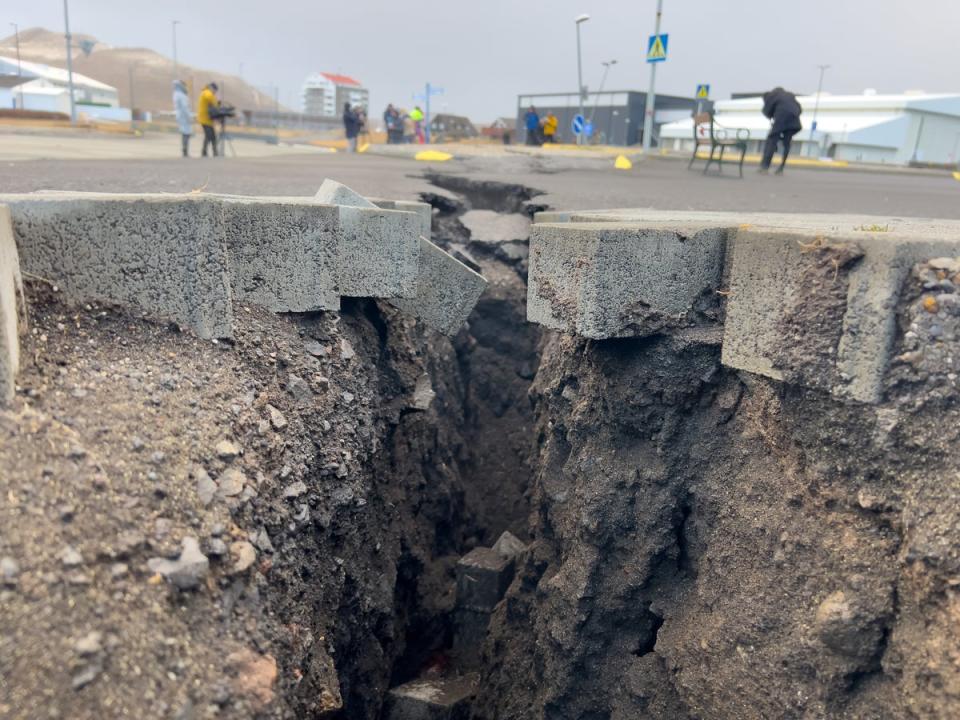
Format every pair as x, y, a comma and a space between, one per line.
433, 156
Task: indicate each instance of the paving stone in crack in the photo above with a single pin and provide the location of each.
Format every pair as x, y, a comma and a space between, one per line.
432, 699
447, 291
483, 576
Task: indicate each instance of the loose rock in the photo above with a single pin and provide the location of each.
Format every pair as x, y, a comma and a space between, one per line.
277, 418
295, 489
243, 555
71, 557
227, 450
232, 483
206, 488
299, 388
188, 570
9, 570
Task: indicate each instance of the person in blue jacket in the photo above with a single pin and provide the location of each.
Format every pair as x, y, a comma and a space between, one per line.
532, 122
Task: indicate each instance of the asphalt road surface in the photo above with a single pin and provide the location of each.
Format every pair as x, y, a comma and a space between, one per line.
661, 183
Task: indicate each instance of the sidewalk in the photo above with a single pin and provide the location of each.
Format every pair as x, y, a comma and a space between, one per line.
605, 155
83, 144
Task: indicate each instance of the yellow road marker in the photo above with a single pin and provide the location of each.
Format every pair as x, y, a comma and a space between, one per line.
622, 163
432, 156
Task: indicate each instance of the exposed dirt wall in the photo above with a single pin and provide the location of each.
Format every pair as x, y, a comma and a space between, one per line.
711, 544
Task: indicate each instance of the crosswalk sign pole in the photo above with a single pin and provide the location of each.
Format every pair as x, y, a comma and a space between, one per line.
651, 93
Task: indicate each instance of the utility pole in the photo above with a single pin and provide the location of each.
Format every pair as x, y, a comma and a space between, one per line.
276, 114
66, 25
133, 103
652, 92
426, 121
816, 107
16, 35
176, 65
579, 21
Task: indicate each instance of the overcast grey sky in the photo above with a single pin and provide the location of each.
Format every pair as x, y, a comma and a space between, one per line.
485, 52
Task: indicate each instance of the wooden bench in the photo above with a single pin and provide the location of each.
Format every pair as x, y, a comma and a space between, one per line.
706, 131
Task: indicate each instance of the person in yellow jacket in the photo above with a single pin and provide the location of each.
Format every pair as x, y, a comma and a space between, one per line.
208, 99
550, 124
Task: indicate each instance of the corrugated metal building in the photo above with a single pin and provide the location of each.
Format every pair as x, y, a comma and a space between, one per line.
888, 129
616, 115
46, 88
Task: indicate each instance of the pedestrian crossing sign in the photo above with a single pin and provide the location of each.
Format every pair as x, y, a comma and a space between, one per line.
703, 92
657, 48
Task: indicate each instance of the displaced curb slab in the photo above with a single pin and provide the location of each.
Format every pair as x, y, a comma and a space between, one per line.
446, 290
161, 255
812, 299
606, 280
11, 299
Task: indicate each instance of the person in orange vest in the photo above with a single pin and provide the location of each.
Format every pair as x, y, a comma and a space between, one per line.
550, 124
208, 100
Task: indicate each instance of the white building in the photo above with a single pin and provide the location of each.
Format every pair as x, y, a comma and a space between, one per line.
871, 128
46, 88
325, 94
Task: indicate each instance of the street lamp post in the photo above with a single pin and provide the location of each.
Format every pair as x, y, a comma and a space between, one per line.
816, 107
579, 21
66, 26
16, 35
176, 67
603, 81
133, 102
652, 92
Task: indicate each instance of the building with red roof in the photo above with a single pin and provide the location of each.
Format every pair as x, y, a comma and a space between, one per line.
324, 94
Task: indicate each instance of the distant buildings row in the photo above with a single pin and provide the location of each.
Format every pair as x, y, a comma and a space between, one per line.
35, 86
908, 128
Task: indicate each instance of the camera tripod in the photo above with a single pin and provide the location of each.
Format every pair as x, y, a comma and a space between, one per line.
224, 140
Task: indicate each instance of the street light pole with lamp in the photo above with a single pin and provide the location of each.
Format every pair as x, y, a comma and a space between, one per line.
16, 35
579, 21
176, 65
603, 81
816, 107
66, 26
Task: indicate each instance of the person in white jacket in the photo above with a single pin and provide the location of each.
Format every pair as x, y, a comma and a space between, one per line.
181, 105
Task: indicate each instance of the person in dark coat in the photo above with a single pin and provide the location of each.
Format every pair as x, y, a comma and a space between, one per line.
783, 110
351, 127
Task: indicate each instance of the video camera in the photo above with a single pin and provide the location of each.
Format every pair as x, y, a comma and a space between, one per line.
222, 112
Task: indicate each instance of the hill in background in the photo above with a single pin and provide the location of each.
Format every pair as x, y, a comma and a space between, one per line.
152, 72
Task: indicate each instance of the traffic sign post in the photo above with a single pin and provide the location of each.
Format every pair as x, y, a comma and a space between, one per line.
703, 93
429, 92
657, 48
656, 54
577, 125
